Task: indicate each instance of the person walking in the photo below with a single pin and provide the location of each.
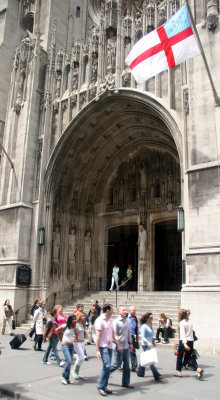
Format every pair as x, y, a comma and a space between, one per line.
50, 333
124, 346
104, 342
7, 317
39, 321
92, 316
79, 344
67, 334
33, 309
147, 342
185, 343
133, 323
115, 272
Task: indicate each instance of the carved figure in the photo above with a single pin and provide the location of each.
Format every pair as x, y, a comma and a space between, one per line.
212, 14
58, 83
56, 243
72, 245
88, 245
20, 83
143, 175
142, 240
111, 51
75, 76
94, 67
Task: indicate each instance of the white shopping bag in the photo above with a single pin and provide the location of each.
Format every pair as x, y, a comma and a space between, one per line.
148, 357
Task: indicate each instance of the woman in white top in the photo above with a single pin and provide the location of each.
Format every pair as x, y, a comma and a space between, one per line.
39, 320
185, 343
66, 334
164, 326
79, 344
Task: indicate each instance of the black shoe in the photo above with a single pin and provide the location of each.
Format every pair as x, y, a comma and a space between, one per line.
102, 392
39, 349
108, 391
86, 358
11, 334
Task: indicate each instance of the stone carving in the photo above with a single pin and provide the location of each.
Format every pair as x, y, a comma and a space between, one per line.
143, 174
72, 245
142, 241
56, 244
111, 50
212, 14
88, 246
75, 76
94, 67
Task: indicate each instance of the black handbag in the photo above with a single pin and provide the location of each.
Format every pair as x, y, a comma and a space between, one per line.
194, 337
13, 324
136, 345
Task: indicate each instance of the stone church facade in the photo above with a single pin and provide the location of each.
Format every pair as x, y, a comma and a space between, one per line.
96, 169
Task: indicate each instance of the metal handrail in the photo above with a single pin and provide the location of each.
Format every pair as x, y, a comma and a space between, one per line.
16, 312
116, 291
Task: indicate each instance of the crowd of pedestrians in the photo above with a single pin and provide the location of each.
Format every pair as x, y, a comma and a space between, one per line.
116, 341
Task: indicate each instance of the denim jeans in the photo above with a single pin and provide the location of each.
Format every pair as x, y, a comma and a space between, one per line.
107, 368
68, 351
52, 345
141, 370
123, 356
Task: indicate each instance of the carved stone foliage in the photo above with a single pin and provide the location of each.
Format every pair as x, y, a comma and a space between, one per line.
150, 179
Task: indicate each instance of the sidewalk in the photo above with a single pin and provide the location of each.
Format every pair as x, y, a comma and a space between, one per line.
24, 376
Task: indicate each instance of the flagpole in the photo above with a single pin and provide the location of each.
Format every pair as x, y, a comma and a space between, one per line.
216, 97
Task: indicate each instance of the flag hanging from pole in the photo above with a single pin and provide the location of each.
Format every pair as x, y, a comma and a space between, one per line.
167, 46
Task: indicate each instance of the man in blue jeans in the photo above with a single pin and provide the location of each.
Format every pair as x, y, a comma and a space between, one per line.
104, 341
124, 346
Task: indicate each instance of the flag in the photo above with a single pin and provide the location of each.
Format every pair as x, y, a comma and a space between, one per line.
167, 46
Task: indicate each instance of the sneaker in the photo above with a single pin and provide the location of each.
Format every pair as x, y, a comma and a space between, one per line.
157, 341
164, 342
86, 358
46, 362
62, 363
64, 381
102, 392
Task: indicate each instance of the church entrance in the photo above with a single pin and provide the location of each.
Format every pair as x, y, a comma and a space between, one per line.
168, 257
123, 250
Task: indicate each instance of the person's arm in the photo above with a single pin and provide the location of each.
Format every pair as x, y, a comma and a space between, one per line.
98, 335
143, 335
59, 330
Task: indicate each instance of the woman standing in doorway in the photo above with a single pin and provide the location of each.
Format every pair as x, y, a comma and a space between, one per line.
147, 342
185, 343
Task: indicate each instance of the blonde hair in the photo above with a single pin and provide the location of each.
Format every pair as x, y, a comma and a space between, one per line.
57, 306
79, 315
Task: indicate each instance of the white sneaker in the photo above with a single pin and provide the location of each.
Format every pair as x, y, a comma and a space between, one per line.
62, 363
46, 362
64, 381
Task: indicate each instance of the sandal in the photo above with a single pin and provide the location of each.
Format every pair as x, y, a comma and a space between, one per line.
178, 376
200, 373
185, 366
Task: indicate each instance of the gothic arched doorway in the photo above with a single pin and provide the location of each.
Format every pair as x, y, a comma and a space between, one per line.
117, 164
123, 250
168, 256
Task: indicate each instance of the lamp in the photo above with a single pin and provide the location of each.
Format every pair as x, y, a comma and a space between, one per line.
180, 219
41, 236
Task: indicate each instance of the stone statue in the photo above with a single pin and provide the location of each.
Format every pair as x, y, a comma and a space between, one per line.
111, 52
20, 82
212, 14
88, 246
94, 67
142, 240
72, 245
56, 243
58, 83
75, 76
143, 175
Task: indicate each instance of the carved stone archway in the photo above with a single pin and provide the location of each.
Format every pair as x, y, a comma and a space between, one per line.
118, 160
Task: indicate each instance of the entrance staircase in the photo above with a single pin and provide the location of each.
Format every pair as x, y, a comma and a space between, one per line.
155, 302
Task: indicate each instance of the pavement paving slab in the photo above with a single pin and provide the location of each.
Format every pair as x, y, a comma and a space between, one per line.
23, 376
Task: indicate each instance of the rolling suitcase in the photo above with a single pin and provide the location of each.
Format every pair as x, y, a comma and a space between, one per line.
17, 341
